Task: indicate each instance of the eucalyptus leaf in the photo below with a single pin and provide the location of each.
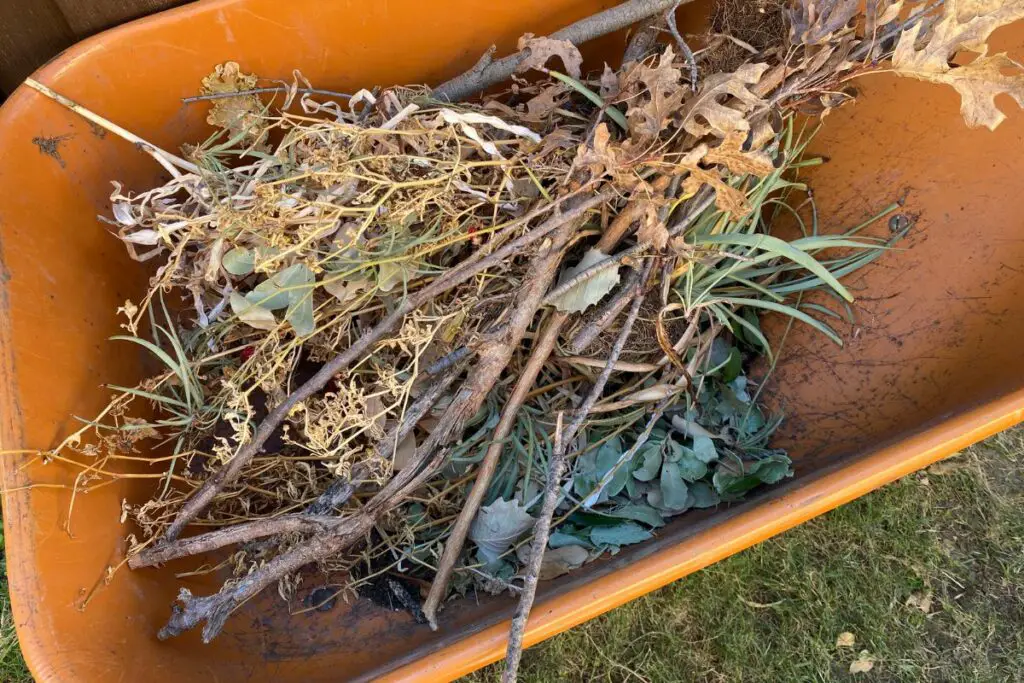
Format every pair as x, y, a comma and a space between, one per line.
239, 261
673, 488
252, 314
650, 462
620, 534
704, 449
703, 495
497, 526
691, 468
638, 512
561, 539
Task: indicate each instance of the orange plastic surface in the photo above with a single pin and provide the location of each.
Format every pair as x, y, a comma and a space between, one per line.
931, 365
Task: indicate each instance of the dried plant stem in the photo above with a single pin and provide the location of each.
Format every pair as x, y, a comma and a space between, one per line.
261, 91
487, 71
475, 264
239, 533
162, 157
684, 49
609, 312
541, 533
542, 349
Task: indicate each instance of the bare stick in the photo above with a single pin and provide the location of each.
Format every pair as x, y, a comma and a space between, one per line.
670, 20
239, 533
475, 264
602, 23
457, 538
541, 533
261, 91
162, 157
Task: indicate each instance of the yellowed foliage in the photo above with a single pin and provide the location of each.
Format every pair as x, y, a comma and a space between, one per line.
863, 664
845, 639
236, 115
730, 154
966, 26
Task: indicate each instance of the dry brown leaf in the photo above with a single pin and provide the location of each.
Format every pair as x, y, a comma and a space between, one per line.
406, 452
727, 197
609, 83
879, 13
966, 26
706, 113
731, 155
863, 664
545, 102
603, 156
234, 114
845, 639
665, 92
652, 229
542, 49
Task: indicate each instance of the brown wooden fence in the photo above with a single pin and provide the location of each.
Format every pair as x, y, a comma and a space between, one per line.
33, 31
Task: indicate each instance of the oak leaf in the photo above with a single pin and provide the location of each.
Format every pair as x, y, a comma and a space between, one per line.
730, 153
966, 26
542, 49
721, 105
665, 92
817, 21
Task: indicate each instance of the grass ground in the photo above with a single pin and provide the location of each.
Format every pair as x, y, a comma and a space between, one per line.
920, 581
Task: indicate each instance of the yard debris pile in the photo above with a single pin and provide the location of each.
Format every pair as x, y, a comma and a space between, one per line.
404, 336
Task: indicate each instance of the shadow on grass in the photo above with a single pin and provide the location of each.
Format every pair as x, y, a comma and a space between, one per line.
927, 574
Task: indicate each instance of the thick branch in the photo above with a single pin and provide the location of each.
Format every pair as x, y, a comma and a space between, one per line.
594, 26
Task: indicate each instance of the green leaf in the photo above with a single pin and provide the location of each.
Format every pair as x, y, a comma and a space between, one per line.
497, 526
787, 310
650, 466
733, 367
704, 449
621, 534
702, 495
300, 315
239, 261
673, 488
638, 512
613, 113
773, 469
692, 468
607, 457
560, 539
775, 247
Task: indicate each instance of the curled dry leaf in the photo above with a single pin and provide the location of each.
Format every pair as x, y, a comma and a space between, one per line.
817, 21
542, 49
251, 314
652, 229
730, 153
845, 639
921, 600
665, 92
966, 26
406, 452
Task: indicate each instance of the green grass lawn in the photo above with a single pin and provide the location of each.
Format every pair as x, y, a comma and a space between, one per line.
926, 576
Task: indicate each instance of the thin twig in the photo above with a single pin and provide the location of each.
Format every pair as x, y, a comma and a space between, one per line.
541, 533
510, 413
261, 91
670, 21
608, 313
162, 157
495, 71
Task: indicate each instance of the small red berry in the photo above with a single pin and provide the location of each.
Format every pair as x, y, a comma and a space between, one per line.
247, 353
